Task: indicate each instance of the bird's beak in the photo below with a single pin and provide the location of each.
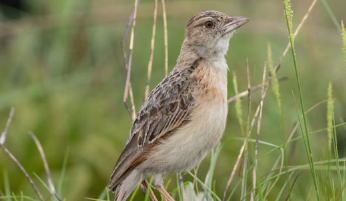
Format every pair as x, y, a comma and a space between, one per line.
234, 23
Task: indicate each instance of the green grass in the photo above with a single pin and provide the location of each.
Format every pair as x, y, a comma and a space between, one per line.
238, 104
289, 16
343, 35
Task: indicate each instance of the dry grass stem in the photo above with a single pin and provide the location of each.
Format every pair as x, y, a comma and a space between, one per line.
248, 89
144, 187
258, 133
244, 144
126, 61
124, 38
307, 111
132, 101
14, 159
294, 182
46, 167
240, 155
314, 106
243, 182
129, 63
234, 169
300, 25
195, 182
165, 35
152, 46
4, 133
255, 88
245, 93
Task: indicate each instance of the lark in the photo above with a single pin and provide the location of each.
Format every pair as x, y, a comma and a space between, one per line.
184, 116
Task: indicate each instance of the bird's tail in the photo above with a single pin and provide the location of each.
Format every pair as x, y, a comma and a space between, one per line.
123, 190
120, 193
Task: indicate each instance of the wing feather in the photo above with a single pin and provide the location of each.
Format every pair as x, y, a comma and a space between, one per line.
167, 107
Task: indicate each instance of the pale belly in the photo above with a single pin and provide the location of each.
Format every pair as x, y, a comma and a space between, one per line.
188, 146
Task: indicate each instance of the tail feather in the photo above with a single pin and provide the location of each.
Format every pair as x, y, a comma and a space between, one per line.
123, 190
119, 192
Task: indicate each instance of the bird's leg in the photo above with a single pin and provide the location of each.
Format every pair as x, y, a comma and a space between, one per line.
163, 192
158, 184
144, 187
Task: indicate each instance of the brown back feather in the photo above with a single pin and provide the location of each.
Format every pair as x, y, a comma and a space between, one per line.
167, 108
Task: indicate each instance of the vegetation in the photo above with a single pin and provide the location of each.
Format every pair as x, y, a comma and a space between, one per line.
63, 71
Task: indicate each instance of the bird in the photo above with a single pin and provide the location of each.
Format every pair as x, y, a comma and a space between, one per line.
184, 116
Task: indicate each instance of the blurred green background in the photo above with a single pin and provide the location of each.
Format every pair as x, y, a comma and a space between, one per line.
62, 69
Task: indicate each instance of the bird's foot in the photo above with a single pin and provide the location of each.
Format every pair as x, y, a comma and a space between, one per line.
144, 187
163, 192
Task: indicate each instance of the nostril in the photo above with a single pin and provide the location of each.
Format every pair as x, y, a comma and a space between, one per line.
228, 20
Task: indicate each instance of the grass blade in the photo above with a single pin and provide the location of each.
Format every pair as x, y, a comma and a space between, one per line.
148, 190
7, 185
62, 176
331, 14
288, 15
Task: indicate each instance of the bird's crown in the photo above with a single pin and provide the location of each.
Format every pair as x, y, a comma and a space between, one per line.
207, 33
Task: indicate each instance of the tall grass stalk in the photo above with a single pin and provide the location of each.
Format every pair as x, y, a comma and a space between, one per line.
178, 187
205, 187
344, 180
238, 105
276, 90
319, 165
45, 186
278, 197
7, 185
330, 109
288, 16
103, 195
244, 179
62, 175
274, 79
331, 14
107, 193
14, 197
343, 35
214, 156
146, 198
336, 156
8, 197
234, 189
269, 187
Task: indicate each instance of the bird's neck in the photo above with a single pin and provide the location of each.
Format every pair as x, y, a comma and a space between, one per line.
189, 54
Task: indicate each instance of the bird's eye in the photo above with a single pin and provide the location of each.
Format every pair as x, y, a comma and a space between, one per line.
209, 24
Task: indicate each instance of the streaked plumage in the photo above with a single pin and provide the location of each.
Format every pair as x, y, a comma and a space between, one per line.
184, 116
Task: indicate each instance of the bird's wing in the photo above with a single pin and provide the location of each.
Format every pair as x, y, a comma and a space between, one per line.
167, 108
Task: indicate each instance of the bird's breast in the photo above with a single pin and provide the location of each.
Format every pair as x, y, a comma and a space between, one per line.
211, 84
192, 142
211, 104
208, 119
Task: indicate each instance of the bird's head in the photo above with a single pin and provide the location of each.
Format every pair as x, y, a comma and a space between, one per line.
208, 33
